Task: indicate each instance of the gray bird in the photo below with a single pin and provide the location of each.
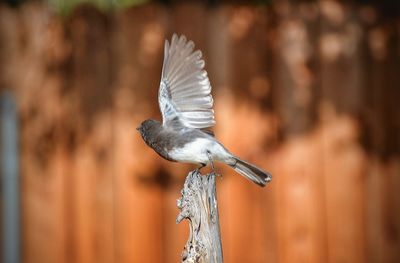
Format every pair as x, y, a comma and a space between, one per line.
186, 105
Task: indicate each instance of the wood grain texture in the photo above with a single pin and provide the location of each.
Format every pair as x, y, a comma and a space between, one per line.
199, 205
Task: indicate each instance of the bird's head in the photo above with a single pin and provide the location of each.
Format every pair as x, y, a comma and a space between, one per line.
147, 128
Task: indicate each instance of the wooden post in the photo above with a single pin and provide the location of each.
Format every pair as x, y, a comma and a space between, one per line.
198, 204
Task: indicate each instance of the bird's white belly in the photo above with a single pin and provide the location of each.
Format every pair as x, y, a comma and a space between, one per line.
196, 151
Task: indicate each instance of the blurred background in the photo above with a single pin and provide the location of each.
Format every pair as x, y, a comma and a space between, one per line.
308, 90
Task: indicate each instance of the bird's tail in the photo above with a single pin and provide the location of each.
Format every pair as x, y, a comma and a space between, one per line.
251, 172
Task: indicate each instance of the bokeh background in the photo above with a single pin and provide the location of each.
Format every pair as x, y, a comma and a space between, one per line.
308, 90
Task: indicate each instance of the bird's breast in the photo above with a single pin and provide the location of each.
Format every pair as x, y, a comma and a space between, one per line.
198, 151
191, 152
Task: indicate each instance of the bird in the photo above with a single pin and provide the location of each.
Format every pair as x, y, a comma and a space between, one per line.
186, 106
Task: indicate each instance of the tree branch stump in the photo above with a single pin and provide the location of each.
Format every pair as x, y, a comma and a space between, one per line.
198, 204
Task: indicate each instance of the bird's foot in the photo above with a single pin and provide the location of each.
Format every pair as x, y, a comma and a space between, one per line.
213, 172
216, 174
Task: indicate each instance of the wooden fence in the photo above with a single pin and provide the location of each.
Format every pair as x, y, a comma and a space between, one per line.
309, 92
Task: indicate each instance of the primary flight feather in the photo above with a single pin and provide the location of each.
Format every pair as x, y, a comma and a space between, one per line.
185, 90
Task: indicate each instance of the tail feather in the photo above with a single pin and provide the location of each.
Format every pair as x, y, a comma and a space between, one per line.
251, 172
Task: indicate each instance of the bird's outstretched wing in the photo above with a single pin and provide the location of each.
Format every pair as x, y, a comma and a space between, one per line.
185, 91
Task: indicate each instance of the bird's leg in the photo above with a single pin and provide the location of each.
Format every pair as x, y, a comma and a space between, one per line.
211, 162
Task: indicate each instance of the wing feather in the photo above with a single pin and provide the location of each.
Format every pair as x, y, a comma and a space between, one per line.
185, 91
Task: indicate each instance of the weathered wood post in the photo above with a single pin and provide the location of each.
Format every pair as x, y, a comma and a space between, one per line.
198, 204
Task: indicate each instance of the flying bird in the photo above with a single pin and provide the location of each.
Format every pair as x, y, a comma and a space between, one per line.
186, 106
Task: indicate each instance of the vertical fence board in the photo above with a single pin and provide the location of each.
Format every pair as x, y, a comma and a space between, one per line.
300, 195
89, 75
344, 159
138, 194
241, 96
43, 161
